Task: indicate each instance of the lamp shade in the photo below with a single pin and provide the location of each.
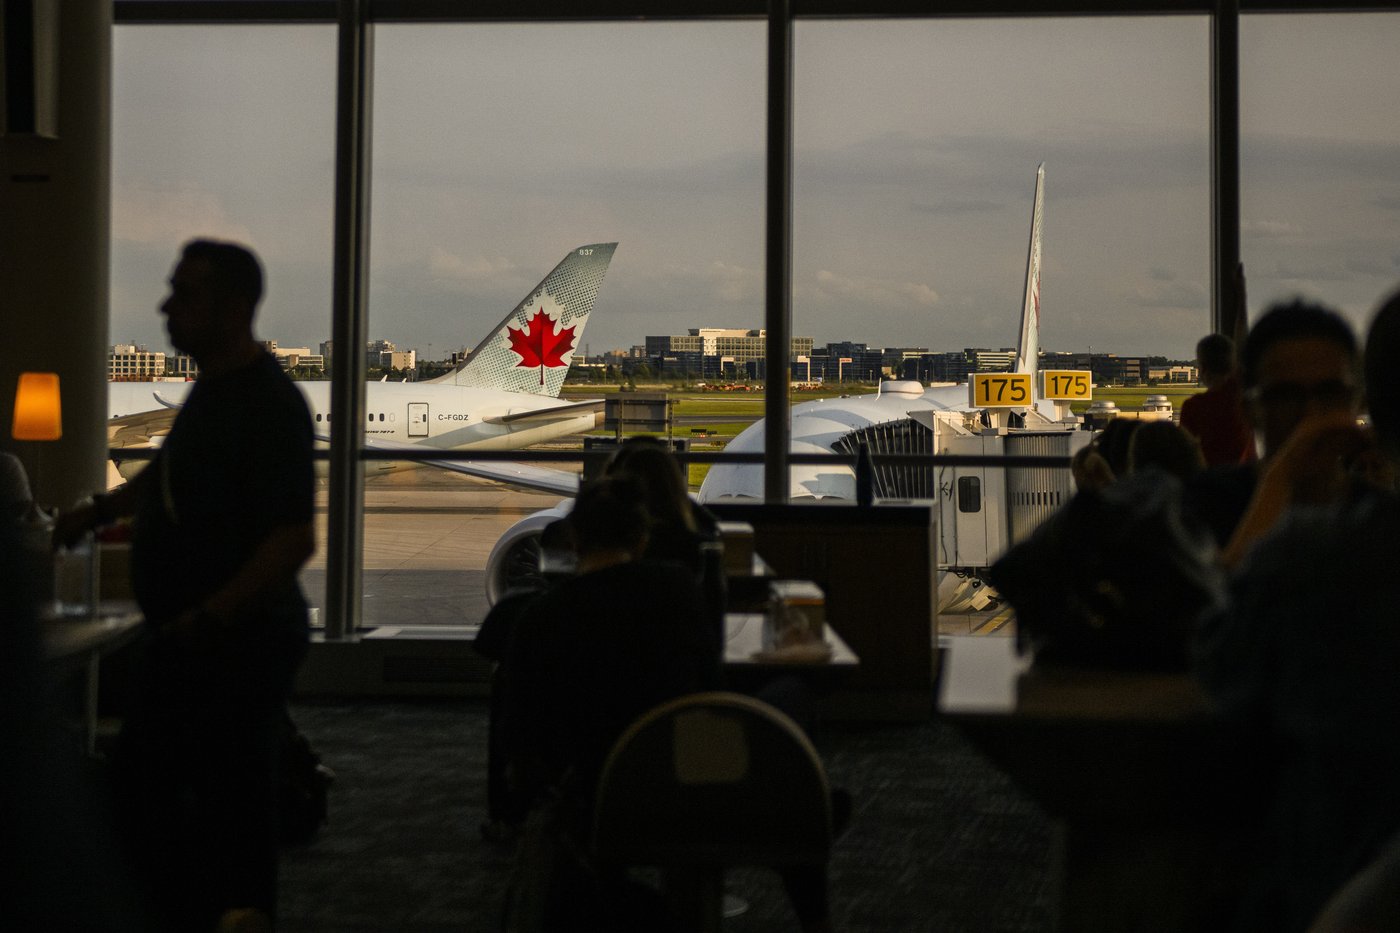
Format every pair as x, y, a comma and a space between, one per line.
38, 413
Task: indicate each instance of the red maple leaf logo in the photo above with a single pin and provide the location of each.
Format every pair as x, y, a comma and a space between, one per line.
541, 342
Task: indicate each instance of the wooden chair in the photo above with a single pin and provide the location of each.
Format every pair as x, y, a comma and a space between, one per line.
707, 781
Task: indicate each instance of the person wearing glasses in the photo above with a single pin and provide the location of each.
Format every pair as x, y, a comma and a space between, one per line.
1300, 361
1304, 661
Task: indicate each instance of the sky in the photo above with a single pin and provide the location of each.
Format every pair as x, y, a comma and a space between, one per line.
498, 148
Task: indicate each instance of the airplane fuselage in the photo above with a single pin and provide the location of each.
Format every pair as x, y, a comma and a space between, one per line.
445, 417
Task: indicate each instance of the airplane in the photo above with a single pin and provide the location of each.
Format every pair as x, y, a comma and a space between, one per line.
818, 426
503, 397
982, 510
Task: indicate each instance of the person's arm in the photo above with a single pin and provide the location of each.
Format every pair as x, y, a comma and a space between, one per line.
274, 563
104, 509
1314, 467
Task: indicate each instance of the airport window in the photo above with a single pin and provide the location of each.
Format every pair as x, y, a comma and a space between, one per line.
487, 175
1320, 202
901, 135
916, 147
206, 141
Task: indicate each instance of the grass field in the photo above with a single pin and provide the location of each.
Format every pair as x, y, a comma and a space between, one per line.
1130, 398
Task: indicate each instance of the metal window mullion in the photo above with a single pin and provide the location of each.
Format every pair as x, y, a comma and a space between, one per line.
345, 506
778, 258
1227, 298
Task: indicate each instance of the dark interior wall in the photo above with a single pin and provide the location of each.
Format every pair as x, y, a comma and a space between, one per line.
55, 220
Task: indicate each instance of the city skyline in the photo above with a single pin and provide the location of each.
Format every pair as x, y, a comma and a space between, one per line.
819, 348
497, 146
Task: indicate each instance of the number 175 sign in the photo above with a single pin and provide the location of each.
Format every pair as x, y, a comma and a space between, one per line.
1067, 385
999, 390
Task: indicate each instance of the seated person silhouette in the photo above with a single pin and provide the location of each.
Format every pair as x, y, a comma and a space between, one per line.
1164, 446
678, 527
600, 648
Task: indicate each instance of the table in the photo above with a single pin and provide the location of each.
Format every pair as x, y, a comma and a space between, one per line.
1148, 792
77, 644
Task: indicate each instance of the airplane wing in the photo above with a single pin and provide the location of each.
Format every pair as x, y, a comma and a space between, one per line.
145, 429
549, 414
522, 475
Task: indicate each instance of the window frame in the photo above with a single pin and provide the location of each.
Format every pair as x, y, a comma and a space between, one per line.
355, 19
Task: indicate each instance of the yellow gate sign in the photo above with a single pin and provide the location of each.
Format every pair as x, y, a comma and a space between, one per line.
1067, 385
999, 390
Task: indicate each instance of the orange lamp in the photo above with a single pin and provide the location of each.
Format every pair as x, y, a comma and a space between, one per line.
38, 413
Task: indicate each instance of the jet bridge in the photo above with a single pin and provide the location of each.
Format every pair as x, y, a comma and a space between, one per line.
983, 510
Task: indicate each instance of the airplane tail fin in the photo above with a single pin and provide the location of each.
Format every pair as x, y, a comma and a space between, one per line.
531, 349
1028, 350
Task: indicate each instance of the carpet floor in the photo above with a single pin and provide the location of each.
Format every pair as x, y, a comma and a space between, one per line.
939, 839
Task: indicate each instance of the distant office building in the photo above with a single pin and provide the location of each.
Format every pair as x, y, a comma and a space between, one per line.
182, 365
1174, 373
295, 357
1063, 360
895, 359
849, 361
956, 365
741, 345
396, 359
992, 361
382, 354
1112, 369
684, 363
128, 362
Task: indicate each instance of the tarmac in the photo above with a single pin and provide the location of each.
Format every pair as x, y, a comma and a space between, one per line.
428, 533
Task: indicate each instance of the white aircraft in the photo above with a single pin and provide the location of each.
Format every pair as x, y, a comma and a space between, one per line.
982, 509
819, 426
504, 397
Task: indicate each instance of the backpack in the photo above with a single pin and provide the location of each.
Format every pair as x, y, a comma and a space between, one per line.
1118, 578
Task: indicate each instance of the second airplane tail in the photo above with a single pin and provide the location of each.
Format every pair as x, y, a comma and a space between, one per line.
1028, 349
531, 349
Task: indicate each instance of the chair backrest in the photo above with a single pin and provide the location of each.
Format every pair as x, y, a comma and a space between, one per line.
713, 778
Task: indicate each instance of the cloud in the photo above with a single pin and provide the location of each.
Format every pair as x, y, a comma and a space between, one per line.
1161, 275
1269, 229
957, 207
1374, 267
875, 291
718, 282
1288, 273
1390, 202
446, 265
733, 283
1181, 296
161, 216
